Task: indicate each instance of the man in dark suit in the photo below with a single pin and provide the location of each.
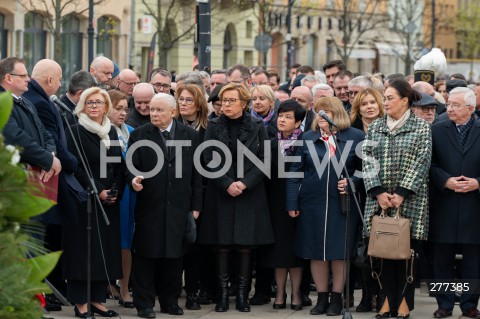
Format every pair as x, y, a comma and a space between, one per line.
454, 218
163, 203
24, 128
79, 82
45, 81
304, 96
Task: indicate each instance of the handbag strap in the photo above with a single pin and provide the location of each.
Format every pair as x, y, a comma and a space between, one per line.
408, 278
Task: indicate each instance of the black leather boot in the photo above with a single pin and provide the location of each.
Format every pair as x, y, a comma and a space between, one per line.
335, 307
322, 304
365, 304
222, 279
243, 284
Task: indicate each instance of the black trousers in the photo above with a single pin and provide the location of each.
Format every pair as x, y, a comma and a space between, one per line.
156, 276
77, 291
444, 256
393, 278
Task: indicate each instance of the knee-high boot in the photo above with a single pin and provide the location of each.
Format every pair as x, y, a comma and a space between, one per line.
244, 276
222, 279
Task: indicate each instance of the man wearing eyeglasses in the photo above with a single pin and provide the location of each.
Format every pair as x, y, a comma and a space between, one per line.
161, 80
425, 108
24, 128
454, 217
127, 79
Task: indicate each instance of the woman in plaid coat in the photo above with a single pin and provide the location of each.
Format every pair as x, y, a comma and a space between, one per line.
396, 161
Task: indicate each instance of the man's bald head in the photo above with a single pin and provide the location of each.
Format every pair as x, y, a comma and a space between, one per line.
102, 69
48, 75
424, 87
302, 95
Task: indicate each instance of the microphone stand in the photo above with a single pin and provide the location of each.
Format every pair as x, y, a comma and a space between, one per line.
92, 191
346, 313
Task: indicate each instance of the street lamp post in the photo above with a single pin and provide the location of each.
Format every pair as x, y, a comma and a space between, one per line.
91, 32
204, 34
289, 37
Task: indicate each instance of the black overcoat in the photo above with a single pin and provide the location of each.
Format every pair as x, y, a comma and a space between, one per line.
163, 204
245, 219
454, 217
75, 235
280, 254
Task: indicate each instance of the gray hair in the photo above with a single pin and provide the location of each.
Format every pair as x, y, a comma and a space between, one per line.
321, 86
204, 75
361, 81
190, 77
310, 78
167, 98
80, 80
162, 72
468, 97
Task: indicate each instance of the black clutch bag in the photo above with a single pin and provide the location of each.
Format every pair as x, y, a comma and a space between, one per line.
190, 229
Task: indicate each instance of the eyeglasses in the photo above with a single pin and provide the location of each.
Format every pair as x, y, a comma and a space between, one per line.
23, 76
161, 85
426, 109
353, 93
129, 83
230, 101
187, 100
98, 103
455, 106
126, 110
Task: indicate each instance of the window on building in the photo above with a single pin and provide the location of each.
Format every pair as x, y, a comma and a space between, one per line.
71, 48
35, 40
3, 37
249, 30
107, 37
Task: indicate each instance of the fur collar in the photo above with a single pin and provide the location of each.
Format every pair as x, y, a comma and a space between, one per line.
247, 129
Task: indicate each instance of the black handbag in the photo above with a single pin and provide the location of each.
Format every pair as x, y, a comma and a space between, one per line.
360, 257
190, 229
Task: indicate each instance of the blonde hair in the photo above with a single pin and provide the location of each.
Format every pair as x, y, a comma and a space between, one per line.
242, 90
357, 102
90, 91
334, 105
265, 90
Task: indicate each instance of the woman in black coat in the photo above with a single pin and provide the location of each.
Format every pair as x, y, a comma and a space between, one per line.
236, 210
280, 255
93, 130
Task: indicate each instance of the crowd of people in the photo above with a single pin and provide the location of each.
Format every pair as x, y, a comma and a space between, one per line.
402, 145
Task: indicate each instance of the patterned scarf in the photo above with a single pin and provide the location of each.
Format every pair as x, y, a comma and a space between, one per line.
123, 135
101, 130
266, 119
286, 143
329, 142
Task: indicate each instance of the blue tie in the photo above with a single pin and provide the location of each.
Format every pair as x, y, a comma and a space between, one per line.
462, 134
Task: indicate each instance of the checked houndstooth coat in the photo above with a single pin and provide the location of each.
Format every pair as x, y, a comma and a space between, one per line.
398, 163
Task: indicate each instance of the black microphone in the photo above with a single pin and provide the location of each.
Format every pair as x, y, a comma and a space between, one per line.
62, 105
324, 115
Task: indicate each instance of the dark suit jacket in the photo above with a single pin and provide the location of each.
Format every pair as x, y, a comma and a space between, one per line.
68, 186
24, 129
72, 119
163, 204
310, 117
455, 216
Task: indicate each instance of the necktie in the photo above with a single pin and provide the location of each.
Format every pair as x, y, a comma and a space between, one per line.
166, 135
462, 134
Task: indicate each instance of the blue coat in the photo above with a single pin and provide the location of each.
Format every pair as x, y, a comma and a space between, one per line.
321, 225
